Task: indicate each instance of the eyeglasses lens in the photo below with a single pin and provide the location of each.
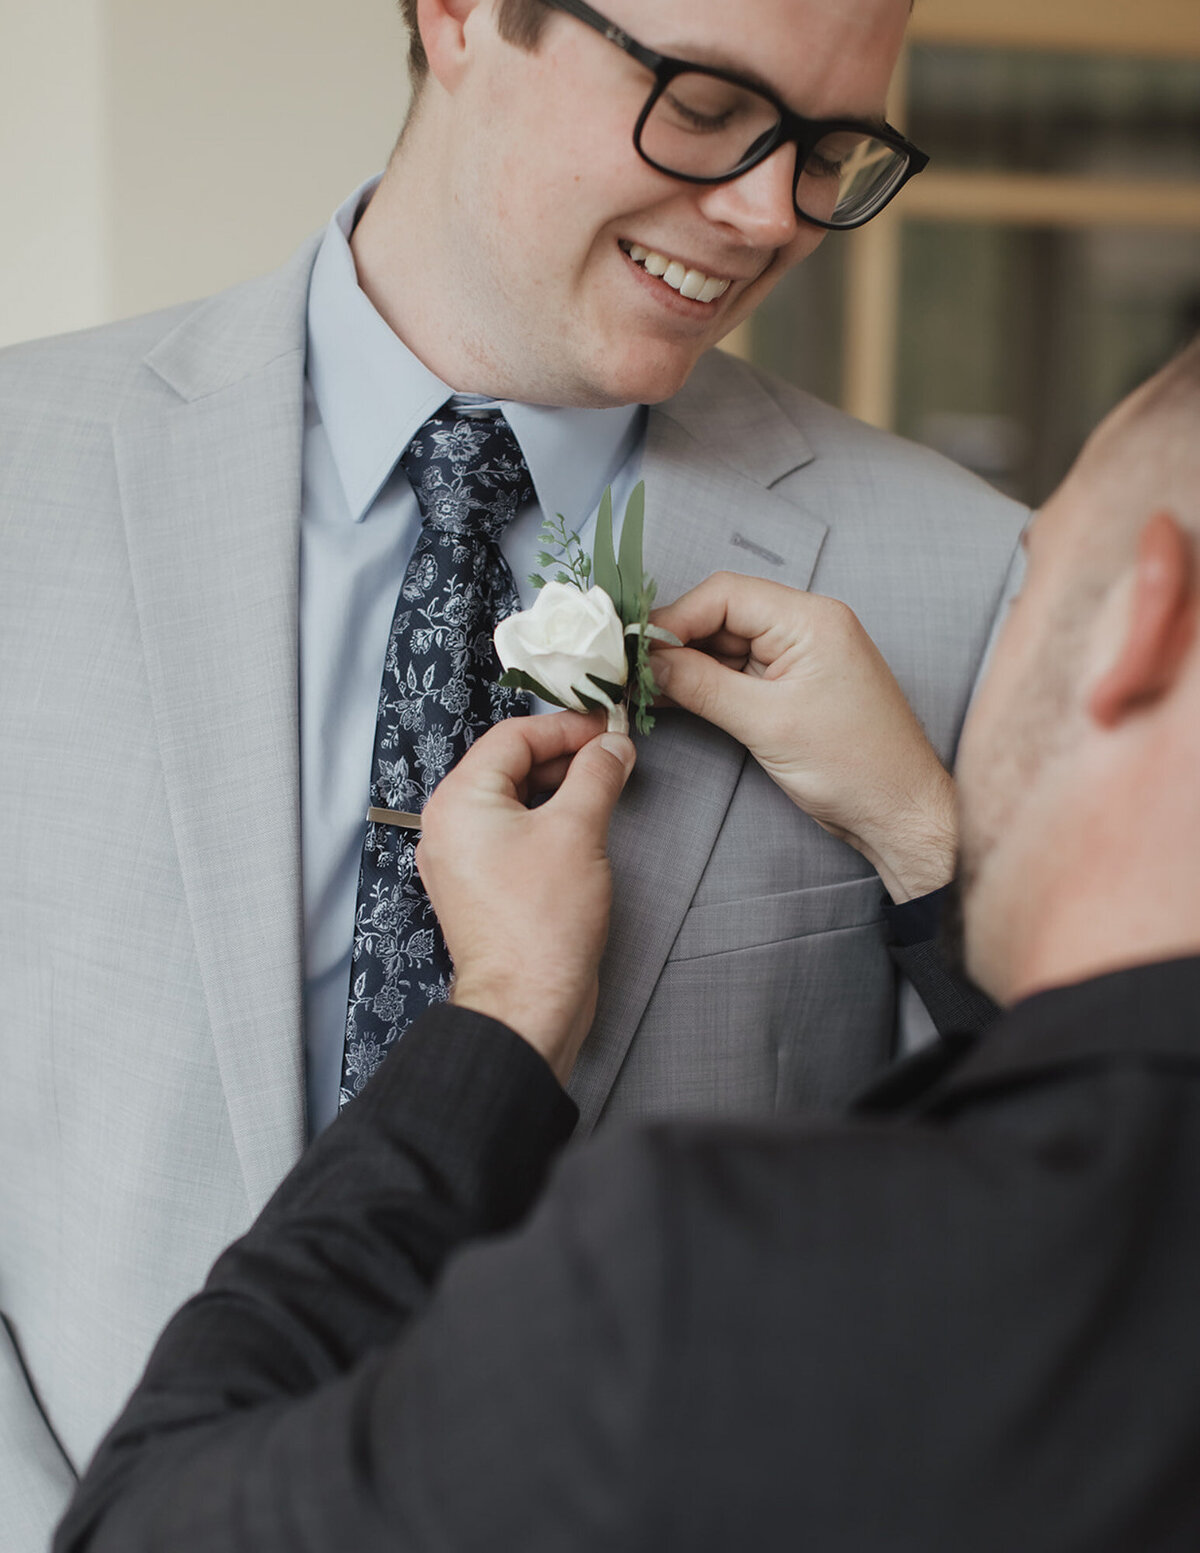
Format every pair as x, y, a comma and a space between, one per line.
703, 127
848, 176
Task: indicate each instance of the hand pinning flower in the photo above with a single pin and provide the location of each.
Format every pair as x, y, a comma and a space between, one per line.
585, 644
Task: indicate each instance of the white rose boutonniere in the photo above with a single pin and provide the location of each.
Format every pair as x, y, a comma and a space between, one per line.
568, 642
585, 644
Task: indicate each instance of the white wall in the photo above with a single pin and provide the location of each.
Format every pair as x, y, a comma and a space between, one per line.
54, 271
154, 150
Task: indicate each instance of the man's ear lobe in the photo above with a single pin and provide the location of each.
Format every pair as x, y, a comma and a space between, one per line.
1159, 628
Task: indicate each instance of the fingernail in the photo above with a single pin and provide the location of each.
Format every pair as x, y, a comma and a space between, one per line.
621, 748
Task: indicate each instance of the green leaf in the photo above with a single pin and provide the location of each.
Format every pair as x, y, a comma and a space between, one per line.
604, 561
590, 702
615, 693
538, 582
517, 679
563, 578
630, 562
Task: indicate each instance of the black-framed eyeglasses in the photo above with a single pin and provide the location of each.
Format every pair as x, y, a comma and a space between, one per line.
710, 126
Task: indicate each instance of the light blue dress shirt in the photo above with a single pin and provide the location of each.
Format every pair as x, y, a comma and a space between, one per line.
367, 396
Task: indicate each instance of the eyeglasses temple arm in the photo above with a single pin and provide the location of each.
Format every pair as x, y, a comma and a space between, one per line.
590, 17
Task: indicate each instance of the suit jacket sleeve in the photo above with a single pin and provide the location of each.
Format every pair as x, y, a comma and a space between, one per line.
256, 1424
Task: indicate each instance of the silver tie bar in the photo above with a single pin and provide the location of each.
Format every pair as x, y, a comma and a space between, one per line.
394, 817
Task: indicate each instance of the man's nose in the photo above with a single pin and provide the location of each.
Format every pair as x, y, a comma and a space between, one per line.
760, 204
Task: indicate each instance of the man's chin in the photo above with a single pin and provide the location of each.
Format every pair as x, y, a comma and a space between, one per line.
648, 375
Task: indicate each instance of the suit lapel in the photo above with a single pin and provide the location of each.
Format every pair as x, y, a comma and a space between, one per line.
210, 472
710, 454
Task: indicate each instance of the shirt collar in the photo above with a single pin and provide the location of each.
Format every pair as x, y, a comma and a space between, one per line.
374, 395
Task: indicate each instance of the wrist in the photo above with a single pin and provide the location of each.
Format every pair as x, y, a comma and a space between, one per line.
525, 1012
914, 853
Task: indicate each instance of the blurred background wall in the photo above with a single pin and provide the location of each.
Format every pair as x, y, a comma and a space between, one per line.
152, 150
156, 150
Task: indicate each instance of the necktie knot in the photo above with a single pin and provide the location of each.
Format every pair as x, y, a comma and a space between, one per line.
468, 473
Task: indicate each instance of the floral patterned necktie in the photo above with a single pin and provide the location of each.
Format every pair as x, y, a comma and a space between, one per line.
439, 693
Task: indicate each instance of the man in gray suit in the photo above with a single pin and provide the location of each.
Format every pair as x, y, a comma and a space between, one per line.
206, 523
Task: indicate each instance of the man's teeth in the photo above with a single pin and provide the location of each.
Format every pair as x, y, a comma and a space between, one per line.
689, 283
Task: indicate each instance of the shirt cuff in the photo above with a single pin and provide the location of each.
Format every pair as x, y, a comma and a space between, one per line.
917, 921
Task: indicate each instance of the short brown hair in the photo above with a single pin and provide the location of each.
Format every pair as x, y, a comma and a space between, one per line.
517, 21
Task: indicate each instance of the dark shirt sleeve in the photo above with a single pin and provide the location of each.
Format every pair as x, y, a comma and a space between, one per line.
955, 1004
253, 1425
915, 921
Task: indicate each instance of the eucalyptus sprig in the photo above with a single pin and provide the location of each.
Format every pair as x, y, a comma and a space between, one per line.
571, 553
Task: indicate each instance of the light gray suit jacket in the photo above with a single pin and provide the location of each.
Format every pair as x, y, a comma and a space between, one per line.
151, 1077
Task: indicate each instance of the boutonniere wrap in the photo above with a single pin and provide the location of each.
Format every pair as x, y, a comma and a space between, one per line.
585, 644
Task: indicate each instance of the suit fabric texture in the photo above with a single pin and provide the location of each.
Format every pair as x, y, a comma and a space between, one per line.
959, 1317
150, 890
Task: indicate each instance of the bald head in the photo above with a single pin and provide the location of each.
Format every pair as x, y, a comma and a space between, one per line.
1160, 420
1144, 458
1077, 766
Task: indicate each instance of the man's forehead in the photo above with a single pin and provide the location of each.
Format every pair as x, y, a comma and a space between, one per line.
775, 45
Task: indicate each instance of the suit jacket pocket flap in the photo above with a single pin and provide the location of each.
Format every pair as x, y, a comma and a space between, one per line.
724, 926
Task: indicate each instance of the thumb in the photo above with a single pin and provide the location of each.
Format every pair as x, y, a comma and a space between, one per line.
595, 780
699, 684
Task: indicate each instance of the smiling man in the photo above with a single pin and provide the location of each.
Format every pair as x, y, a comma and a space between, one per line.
571, 270
236, 610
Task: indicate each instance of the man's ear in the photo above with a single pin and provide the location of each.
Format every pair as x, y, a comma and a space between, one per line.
443, 28
1159, 627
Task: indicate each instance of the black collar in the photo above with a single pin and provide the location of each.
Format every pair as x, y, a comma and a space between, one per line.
1147, 1013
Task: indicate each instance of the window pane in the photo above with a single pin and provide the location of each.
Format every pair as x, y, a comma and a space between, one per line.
1015, 341
1055, 113
797, 331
